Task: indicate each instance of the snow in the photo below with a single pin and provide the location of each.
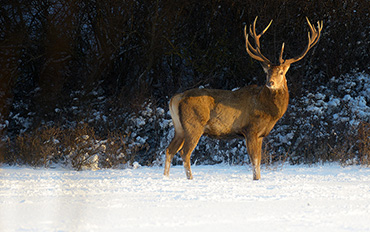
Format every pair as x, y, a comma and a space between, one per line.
309, 132
220, 198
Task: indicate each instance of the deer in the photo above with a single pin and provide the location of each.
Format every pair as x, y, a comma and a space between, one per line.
249, 113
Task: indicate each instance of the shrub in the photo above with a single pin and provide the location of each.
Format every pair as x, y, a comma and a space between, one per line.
37, 148
76, 148
102, 63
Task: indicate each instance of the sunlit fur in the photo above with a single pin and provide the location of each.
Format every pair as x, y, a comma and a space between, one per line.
250, 112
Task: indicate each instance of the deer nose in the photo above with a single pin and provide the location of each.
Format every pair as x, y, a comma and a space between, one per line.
270, 84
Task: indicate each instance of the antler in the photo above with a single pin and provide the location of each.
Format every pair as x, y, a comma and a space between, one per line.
255, 53
313, 38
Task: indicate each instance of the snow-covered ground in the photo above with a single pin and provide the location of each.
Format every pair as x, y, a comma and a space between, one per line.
220, 198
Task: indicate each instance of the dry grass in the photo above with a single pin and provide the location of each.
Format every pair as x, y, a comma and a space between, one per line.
363, 140
38, 148
78, 148
354, 148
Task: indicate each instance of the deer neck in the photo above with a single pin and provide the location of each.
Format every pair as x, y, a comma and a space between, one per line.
275, 101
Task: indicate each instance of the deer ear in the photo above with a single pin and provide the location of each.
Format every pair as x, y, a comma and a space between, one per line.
286, 68
266, 67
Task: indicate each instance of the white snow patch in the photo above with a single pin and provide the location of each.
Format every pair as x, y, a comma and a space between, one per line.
220, 198
334, 102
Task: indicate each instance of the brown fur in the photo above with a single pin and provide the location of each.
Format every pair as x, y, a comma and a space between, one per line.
250, 112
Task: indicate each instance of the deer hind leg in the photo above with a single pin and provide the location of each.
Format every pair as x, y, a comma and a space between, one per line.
175, 145
254, 147
189, 145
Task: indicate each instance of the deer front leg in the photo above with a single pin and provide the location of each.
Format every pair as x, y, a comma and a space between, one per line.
254, 146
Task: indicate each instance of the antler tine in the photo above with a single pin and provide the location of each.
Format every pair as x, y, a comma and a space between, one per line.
281, 60
255, 53
313, 38
251, 50
263, 32
254, 33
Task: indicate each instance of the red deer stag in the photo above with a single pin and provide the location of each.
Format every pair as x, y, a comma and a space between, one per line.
250, 112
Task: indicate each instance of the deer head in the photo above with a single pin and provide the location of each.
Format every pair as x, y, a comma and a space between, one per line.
275, 73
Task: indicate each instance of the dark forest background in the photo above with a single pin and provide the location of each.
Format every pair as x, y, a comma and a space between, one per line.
60, 59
